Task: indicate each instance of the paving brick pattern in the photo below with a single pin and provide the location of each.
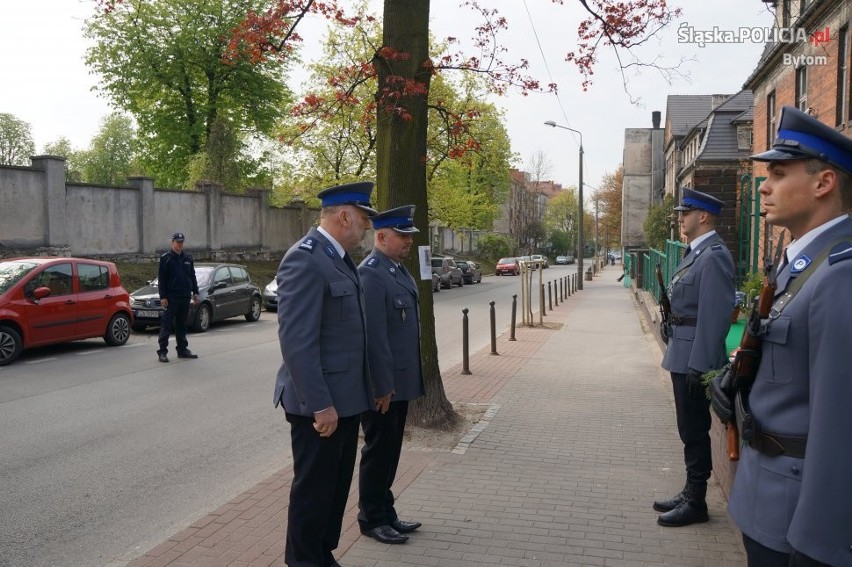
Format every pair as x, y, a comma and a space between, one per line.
578, 441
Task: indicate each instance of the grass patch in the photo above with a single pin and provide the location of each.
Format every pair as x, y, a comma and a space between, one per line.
136, 275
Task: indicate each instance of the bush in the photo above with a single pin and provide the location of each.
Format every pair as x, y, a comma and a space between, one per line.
751, 286
495, 246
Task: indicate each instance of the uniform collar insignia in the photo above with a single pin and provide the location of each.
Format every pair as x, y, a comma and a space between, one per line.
330, 251
392, 270
799, 264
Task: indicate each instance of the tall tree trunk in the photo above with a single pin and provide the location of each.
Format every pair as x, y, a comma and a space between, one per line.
401, 174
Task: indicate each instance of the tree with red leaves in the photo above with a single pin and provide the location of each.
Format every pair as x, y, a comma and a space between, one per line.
404, 69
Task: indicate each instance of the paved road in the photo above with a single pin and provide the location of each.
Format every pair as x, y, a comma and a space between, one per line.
107, 452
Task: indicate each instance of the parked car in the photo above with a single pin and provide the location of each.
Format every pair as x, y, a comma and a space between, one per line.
507, 266
471, 271
225, 290
541, 259
448, 272
270, 296
565, 259
55, 300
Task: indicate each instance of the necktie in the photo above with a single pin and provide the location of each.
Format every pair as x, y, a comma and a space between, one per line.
784, 262
687, 251
350, 263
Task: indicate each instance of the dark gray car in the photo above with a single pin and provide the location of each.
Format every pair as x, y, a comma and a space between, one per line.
225, 291
471, 271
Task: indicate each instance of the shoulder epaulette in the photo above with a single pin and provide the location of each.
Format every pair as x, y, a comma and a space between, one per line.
308, 244
717, 247
372, 262
842, 251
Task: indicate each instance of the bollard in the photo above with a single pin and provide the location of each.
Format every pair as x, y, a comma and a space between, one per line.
514, 316
568, 285
465, 345
493, 329
543, 310
561, 288
550, 296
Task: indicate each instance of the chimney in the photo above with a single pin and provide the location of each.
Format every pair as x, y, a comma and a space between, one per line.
655, 118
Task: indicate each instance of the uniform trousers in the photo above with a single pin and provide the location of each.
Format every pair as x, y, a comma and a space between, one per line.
693, 426
322, 475
761, 556
174, 321
379, 461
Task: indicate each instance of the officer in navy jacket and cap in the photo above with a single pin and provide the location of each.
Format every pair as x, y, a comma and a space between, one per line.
792, 495
702, 299
393, 330
323, 382
178, 287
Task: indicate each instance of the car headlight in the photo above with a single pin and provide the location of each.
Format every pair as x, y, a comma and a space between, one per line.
271, 288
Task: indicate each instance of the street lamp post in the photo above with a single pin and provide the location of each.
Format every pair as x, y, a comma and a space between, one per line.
581, 244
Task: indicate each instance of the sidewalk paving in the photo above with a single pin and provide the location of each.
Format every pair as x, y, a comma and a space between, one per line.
578, 441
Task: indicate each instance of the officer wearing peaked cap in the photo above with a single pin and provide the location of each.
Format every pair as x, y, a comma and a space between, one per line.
323, 382
393, 327
702, 299
178, 287
791, 495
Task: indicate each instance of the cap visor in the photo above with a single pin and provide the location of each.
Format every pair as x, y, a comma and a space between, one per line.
409, 230
369, 210
779, 155
682, 208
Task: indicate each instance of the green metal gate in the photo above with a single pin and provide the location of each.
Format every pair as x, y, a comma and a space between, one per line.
749, 227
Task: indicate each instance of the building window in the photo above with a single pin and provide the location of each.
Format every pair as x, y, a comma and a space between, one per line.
802, 88
770, 119
744, 136
842, 75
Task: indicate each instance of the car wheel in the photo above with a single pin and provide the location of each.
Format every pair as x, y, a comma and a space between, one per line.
461, 281
10, 345
139, 327
254, 314
202, 319
118, 330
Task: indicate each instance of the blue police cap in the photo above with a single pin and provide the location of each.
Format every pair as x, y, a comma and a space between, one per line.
693, 199
178, 237
801, 136
357, 194
401, 219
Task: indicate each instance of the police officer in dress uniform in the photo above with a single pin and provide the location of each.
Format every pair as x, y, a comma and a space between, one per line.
323, 382
702, 299
393, 328
792, 495
177, 285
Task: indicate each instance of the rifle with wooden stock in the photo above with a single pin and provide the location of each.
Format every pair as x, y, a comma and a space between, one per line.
665, 307
740, 375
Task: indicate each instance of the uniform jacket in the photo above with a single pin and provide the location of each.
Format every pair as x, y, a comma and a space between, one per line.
702, 287
176, 275
804, 387
322, 332
393, 328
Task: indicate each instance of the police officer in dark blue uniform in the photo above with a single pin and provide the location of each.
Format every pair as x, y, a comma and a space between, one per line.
324, 380
393, 331
792, 495
702, 299
177, 285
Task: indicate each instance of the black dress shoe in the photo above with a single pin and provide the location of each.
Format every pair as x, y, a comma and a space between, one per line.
386, 534
187, 354
686, 513
162, 357
404, 527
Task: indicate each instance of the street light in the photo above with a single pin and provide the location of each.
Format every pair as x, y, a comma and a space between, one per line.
580, 242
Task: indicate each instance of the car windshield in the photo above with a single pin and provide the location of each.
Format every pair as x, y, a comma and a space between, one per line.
12, 272
506, 261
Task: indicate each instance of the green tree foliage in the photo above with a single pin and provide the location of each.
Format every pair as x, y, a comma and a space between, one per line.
561, 216
62, 147
16, 140
226, 161
609, 214
111, 156
165, 63
657, 225
558, 243
494, 246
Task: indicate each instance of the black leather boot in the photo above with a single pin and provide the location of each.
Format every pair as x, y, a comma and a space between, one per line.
671, 503
693, 509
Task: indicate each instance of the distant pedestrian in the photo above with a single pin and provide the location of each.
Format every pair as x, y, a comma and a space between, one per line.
393, 340
323, 382
791, 495
702, 295
178, 287
611, 259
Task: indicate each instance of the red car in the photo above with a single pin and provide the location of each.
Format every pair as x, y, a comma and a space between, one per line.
507, 266
53, 300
